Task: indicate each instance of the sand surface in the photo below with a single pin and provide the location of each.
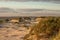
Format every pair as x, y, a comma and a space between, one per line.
10, 31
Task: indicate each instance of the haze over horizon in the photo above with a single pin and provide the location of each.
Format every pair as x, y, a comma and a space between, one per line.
29, 8
30, 4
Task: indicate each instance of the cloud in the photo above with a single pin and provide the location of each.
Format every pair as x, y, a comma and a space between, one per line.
30, 0
53, 1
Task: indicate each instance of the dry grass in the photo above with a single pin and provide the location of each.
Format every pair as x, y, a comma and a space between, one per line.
47, 29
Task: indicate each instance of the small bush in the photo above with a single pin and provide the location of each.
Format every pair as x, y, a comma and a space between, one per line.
1, 21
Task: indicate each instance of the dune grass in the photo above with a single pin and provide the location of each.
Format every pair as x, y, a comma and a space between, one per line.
47, 29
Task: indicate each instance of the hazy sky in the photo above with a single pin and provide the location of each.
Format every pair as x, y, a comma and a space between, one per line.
30, 5
29, 0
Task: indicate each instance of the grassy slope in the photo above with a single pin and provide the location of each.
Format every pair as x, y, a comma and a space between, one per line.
47, 29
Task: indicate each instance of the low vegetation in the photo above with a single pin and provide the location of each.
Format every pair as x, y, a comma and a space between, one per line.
1, 21
47, 29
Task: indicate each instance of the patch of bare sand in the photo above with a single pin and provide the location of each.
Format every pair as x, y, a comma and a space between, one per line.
13, 34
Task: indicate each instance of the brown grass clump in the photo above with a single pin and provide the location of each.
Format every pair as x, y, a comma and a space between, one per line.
47, 29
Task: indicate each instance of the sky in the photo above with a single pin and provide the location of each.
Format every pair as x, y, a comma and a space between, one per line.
30, 4
29, 0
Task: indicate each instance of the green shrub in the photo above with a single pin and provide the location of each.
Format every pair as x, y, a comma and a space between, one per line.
1, 21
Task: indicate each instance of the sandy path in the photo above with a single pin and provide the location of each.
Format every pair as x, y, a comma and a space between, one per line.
12, 32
